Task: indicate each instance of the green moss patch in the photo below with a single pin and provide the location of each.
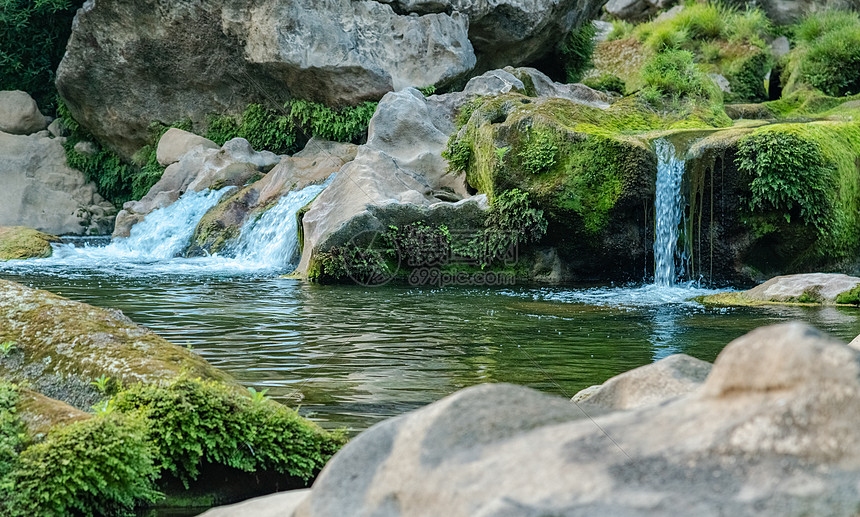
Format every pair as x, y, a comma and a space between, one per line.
62, 345
19, 242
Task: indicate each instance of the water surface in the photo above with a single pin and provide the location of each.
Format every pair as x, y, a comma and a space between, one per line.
351, 356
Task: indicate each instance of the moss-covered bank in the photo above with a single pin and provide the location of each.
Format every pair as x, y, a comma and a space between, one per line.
19, 242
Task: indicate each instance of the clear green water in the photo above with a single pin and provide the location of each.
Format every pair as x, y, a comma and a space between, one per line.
352, 356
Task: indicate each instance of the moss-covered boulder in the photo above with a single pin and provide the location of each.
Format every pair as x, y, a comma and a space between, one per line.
810, 288
60, 346
776, 199
19, 242
594, 184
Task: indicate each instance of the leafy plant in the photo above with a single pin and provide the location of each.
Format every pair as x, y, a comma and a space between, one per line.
7, 347
101, 383
576, 50
458, 153
789, 175
501, 152
192, 422
258, 397
427, 90
539, 153
99, 466
33, 36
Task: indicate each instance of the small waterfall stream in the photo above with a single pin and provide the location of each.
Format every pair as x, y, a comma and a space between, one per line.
668, 210
272, 240
156, 244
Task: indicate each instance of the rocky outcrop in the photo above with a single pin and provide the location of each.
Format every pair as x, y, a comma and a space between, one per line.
396, 178
129, 63
817, 288
40, 414
62, 345
19, 242
41, 191
311, 166
648, 385
19, 114
400, 177
176, 143
202, 167
636, 10
772, 431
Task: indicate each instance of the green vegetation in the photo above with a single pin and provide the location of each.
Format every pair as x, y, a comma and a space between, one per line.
803, 188
539, 152
719, 40
114, 461
33, 36
827, 54
192, 422
851, 297
117, 181
286, 131
607, 83
576, 50
100, 466
671, 77
7, 347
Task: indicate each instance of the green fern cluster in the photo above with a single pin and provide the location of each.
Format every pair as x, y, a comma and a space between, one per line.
539, 153
286, 131
191, 422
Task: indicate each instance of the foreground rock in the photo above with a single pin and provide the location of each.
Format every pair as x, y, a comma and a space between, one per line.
41, 191
62, 345
648, 385
19, 242
772, 431
201, 167
19, 114
819, 288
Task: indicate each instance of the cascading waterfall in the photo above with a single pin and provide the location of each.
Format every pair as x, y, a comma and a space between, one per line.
165, 233
155, 245
272, 240
667, 212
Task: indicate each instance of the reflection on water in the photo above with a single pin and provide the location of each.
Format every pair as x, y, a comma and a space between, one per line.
351, 356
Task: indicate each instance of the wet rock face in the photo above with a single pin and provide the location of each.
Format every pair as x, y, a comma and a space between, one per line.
772, 431
129, 63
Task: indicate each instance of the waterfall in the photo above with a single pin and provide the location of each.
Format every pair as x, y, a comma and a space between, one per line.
667, 212
166, 232
272, 239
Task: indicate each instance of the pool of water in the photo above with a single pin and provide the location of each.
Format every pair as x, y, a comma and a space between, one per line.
351, 356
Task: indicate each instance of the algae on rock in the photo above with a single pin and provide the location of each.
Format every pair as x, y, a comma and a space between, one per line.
19, 242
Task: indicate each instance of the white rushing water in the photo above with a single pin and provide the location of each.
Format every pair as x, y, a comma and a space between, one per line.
268, 243
272, 240
668, 212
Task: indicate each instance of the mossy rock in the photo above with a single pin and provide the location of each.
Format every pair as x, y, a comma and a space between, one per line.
40, 414
62, 345
801, 289
593, 181
20, 242
223, 222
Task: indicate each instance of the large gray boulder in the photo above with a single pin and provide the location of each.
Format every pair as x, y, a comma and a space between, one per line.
132, 62
772, 431
819, 288
19, 114
176, 143
396, 178
234, 164
41, 191
129, 63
